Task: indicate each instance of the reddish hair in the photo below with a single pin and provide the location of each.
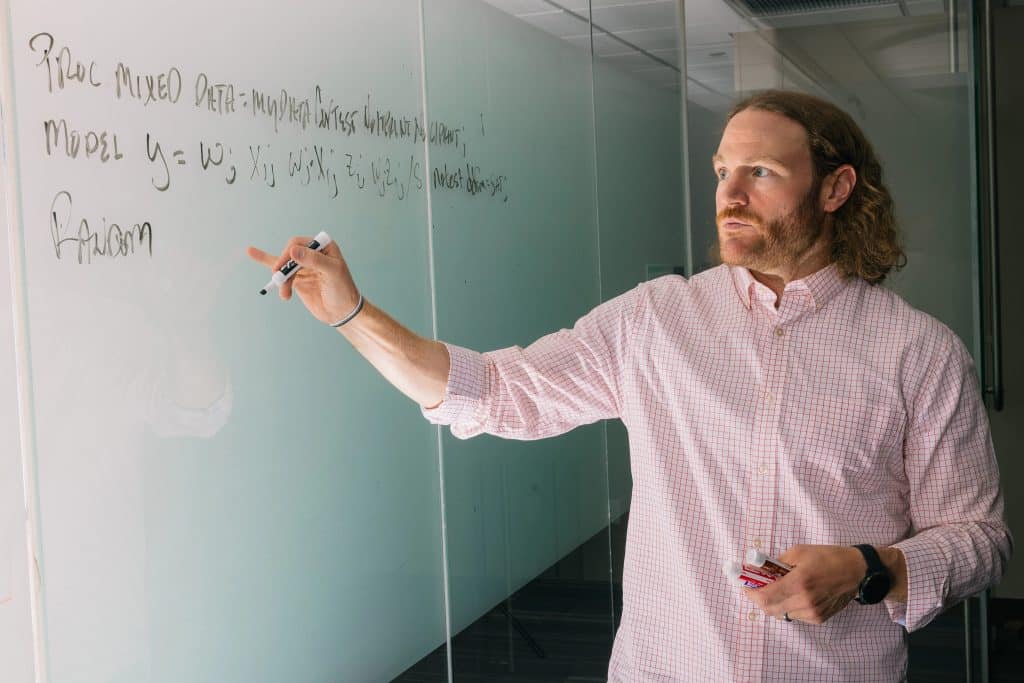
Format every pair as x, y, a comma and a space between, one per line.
865, 235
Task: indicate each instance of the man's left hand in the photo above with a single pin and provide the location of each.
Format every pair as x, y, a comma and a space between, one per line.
824, 580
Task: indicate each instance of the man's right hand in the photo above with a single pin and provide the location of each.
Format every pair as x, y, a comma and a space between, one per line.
323, 284
417, 366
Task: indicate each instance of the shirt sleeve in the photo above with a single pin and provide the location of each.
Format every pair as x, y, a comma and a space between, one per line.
563, 380
960, 543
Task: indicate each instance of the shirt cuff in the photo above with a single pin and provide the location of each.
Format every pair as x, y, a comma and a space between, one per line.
926, 583
463, 396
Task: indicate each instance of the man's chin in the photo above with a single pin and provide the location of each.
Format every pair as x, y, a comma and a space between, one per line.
731, 255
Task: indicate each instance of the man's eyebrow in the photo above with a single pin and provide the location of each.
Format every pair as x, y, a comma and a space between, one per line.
717, 159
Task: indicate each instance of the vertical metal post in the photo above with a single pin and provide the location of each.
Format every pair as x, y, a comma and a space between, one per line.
968, 644
990, 202
983, 634
954, 39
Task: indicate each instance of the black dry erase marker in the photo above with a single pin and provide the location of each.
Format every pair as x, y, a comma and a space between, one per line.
319, 243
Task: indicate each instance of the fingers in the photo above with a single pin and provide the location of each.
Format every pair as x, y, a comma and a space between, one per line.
308, 258
804, 605
323, 282
779, 608
276, 262
261, 256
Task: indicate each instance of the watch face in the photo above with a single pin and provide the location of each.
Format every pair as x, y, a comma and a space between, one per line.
874, 588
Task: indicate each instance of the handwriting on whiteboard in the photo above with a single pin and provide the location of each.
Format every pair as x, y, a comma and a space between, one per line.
323, 158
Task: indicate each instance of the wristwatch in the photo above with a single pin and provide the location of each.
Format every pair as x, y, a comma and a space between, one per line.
876, 582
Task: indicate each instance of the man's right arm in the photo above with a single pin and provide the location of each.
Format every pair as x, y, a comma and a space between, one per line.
415, 365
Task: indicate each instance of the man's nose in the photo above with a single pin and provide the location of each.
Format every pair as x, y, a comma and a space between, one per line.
731, 192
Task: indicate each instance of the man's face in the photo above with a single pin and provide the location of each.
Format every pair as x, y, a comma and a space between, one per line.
769, 212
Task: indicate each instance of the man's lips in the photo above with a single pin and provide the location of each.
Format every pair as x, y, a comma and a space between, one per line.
733, 224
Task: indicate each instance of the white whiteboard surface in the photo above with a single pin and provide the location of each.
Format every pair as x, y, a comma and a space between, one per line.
225, 491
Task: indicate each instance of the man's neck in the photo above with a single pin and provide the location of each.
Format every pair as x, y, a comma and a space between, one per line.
776, 279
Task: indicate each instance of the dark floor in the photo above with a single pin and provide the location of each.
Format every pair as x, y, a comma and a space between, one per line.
558, 631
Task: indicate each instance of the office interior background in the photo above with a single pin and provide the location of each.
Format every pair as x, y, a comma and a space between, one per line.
565, 157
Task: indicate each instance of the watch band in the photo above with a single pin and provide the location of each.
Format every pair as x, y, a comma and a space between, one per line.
877, 581
875, 565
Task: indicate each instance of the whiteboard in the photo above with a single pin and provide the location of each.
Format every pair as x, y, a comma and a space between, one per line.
225, 491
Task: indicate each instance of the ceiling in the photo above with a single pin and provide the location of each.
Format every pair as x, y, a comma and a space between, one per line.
641, 36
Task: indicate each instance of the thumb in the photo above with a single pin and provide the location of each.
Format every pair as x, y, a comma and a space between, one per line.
309, 258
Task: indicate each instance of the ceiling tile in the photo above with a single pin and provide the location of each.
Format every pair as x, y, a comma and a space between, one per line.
557, 23
651, 38
636, 16
516, 7
629, 61
713, 53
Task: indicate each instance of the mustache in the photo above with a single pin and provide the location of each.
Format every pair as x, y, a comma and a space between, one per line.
738, 213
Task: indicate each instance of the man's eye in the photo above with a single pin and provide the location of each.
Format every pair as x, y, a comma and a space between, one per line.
720, 173
761, 172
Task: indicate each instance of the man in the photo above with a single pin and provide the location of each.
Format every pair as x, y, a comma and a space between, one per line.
781, 401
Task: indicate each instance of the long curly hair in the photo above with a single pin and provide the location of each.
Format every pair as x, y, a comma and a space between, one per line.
865, 236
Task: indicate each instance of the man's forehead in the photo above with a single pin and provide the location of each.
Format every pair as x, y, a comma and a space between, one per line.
756, 135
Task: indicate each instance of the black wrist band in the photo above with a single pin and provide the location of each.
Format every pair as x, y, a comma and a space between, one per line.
354, 313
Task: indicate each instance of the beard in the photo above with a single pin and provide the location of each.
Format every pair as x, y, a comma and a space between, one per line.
781, 242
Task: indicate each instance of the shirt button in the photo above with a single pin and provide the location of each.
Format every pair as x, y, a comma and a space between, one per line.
752, 615
779, 332
757, 543
769, 396
762, 469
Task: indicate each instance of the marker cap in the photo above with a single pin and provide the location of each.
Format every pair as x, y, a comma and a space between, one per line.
756, 557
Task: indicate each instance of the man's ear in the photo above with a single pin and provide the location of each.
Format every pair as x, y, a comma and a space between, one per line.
837, 187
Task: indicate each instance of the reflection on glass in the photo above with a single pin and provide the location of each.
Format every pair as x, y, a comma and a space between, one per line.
589, 150
512, 266
901, 69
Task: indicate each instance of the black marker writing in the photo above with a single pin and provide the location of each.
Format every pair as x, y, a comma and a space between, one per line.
59, 138
216, 97
68, 70
112, 241
214, 156
153, 150
266, 171
164, 87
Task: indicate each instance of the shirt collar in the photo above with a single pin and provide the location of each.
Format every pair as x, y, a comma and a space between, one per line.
822, 285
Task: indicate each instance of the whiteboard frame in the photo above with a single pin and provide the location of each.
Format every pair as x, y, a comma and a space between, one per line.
19, 303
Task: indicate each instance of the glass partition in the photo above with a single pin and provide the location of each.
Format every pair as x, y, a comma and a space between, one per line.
513, 262
580, 113
903, 71
638, 113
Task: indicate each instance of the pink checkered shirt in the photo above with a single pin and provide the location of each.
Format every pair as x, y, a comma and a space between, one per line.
844, 416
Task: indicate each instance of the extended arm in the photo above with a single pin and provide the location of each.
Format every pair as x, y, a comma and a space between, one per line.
415, 365
568, 378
